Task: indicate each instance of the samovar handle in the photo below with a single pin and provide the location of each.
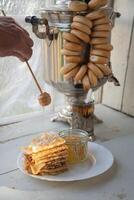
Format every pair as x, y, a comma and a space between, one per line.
35, 21
113, 16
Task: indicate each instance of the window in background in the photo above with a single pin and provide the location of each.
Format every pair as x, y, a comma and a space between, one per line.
18, 92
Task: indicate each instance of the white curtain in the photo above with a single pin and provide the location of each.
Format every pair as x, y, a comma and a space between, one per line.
18, 92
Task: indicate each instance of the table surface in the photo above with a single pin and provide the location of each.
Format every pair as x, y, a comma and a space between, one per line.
116, 133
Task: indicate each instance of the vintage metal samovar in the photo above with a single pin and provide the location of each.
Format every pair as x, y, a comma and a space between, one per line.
55, 19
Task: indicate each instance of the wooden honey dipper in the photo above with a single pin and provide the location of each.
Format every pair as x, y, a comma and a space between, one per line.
44, 98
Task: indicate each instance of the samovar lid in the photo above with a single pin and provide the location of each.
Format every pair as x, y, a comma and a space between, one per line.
59, 15
55, 8
58, 6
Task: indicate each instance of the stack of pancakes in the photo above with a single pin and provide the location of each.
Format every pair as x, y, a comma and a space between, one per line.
47, 154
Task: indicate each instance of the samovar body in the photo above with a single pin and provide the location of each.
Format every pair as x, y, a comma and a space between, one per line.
55, 20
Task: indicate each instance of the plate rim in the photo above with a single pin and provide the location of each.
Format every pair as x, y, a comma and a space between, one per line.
52, 178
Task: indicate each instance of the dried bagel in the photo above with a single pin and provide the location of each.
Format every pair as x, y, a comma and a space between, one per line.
86, 83
93, 4
77, 6
82, 71
71, 74
92, 78
95, 70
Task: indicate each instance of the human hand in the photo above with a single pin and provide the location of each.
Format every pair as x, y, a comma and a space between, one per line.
14, 40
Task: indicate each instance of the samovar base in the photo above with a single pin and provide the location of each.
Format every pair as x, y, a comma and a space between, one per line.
60, 117
65, 115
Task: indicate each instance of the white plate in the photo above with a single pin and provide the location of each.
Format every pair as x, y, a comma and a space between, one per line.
100, 160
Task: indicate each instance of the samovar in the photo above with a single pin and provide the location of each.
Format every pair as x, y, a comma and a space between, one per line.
55, 19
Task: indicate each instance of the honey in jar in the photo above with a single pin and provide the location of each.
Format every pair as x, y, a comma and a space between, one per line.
77, 142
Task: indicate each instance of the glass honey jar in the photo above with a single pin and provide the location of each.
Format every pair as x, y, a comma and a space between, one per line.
77, 142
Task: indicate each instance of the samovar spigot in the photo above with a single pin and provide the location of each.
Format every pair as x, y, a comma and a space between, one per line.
113, 16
